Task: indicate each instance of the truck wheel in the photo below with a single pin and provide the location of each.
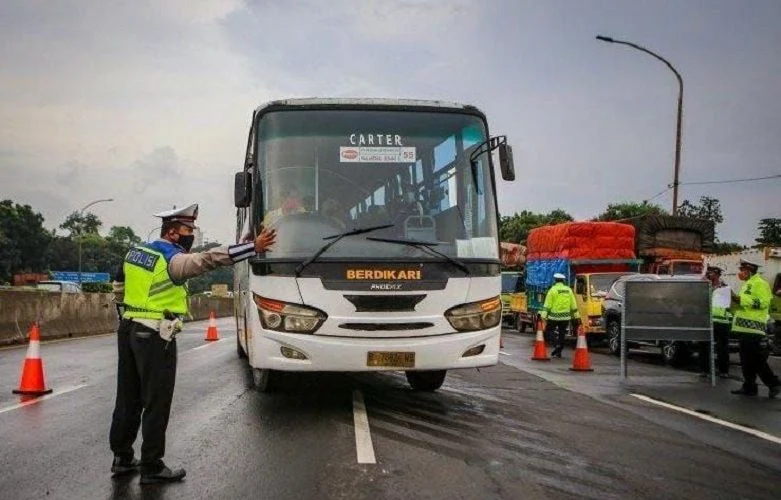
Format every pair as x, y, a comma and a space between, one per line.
265, 380
613, 331
674, 353
520, 324
426, 381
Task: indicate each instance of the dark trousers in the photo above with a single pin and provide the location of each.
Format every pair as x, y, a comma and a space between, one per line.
721, 339
753, 361
146, 374
555, 332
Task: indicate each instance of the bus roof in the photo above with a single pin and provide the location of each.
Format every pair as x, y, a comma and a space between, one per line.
337, 102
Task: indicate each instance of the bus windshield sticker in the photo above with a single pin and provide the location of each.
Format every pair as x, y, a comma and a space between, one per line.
352, 154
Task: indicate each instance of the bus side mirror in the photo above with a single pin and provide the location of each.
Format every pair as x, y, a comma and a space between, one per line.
242, 189
506, 162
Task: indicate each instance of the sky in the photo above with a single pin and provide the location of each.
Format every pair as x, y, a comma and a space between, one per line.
148, 102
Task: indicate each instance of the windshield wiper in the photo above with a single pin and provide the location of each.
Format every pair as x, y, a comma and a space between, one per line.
335, 238
425, 246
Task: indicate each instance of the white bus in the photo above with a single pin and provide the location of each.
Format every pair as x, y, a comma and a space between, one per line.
387, 255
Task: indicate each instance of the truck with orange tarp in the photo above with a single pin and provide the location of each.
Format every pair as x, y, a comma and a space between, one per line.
592, 255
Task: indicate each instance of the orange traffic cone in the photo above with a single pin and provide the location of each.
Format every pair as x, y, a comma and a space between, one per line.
581, 362
211, 332
33, 381
540, 351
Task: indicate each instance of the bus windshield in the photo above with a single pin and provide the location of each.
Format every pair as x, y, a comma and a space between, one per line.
324, 172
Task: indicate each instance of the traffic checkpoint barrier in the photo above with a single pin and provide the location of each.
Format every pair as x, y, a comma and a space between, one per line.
540, 352
33, 380
211, 333
581, 362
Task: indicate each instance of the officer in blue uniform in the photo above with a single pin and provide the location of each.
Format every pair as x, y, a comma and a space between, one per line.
152, 300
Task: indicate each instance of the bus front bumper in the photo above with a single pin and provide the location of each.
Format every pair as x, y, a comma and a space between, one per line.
272, 350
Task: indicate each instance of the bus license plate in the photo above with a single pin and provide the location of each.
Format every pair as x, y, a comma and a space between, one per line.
391, 359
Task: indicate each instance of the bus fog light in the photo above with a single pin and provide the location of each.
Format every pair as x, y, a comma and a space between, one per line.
291, 353
474, 351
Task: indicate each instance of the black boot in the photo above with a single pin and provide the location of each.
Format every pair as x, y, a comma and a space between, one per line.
122, 465
745, 392
164, 475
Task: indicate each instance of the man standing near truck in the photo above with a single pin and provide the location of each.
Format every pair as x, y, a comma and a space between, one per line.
559, 310
750, 323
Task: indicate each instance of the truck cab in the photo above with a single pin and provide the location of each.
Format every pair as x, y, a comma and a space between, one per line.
590, 291
512, 284
677, 267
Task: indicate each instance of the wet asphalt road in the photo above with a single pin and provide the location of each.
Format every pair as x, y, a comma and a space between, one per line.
500, 432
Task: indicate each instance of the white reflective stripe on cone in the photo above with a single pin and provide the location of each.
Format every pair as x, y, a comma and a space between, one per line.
34, 350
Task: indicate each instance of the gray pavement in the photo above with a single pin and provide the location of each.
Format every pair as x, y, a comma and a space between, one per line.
516, 430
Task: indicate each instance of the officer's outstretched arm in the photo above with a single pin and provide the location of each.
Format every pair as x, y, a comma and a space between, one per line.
184, 266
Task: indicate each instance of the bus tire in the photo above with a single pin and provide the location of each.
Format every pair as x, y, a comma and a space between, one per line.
240, 350
265, 380
426, 380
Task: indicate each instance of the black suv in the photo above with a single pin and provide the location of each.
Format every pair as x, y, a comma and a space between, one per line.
674, 352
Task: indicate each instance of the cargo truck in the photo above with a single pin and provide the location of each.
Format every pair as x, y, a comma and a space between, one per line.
672, 245
592, 255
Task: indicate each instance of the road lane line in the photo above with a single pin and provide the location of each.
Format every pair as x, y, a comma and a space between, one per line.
505, 353
363, 436
207, 345
708, 418
59, 392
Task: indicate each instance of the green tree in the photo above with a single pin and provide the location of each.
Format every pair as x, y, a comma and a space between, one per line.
769, 232
77, 223
629, 210
708, 208
723, 247
515, 228
23, 239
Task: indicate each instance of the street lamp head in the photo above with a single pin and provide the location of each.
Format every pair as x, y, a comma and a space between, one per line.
605, 38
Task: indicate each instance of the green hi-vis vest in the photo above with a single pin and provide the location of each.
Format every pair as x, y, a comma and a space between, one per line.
560, 304
149, 290
752, 314
721, 314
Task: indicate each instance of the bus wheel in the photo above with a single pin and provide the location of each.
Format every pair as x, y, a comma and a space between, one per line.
427, 381
265, 380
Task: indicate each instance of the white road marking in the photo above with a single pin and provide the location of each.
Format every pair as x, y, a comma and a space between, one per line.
505, 353
56, 393
708, 418
363, 436
207, 344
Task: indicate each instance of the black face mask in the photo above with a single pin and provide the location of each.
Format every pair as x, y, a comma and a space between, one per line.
186, 241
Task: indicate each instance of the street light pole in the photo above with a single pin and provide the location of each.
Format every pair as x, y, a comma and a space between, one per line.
81, 214
677, 167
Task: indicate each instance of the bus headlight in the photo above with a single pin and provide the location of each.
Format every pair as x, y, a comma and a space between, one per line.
475, 315
286, 317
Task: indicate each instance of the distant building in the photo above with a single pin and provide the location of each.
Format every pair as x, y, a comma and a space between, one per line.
198, 237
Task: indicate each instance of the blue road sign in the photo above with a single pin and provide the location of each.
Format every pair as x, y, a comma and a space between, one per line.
85, 277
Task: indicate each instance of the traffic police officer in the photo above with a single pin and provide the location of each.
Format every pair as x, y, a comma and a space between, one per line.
558, 310
750, 323
722, 319
153, 299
